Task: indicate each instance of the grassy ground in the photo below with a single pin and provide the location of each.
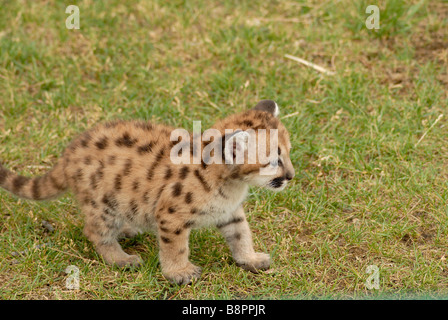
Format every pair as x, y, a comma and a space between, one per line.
371, 167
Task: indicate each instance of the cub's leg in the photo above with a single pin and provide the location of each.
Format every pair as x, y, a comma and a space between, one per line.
237, 233
102, 227
173, 235
128, 231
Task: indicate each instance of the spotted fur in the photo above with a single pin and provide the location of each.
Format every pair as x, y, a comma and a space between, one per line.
125, 183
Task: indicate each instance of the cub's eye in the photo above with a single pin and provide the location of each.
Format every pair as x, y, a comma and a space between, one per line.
280, 163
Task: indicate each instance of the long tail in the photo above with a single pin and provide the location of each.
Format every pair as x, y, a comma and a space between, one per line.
50, 185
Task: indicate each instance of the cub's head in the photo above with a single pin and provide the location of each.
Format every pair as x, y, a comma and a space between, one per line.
257, 147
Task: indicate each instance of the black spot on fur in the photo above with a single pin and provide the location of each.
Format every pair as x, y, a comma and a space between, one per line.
248, 123
110, 201
193, 211
203, 164
111, 159
177, 189
117, 182
85, 139
234, 220
188, 224
112, 124
94, 204
130, 215
35, 189
178, 231
222, 194
149, 174
145, 148
125, 141
127, 167
165, 239
184, 172
88, 160
168, 173
159, 156
93, 181
144, 125
84, 143
171, 210
150, 171
100, 172
108, 211
86, 200
78, 175
102, 143
74, 145
160, 192
172, 144
202, 180
189, 197
18, 183
235, 175
135, 185
146, 197
134, 207
148, 216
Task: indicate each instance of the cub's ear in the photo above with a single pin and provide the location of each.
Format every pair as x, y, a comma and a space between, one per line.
235, 146
268, 106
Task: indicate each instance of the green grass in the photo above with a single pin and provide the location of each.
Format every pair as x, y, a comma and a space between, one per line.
367, 190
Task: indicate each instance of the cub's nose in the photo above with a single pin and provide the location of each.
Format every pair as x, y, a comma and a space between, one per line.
289, 176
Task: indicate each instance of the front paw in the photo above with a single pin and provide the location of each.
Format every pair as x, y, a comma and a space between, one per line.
255, 262
184, 275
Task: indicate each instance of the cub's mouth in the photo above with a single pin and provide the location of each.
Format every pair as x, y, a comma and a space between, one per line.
277, 184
